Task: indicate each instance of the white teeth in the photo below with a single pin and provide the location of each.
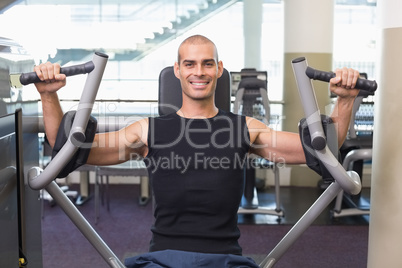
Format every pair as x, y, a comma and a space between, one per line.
199, 84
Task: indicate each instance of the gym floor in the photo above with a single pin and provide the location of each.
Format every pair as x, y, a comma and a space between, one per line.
296, 200
125, 228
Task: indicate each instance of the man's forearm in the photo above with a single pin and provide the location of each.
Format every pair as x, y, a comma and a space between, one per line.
341, 116
52, 115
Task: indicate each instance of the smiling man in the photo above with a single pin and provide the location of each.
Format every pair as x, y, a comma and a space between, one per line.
197, 193
198, 69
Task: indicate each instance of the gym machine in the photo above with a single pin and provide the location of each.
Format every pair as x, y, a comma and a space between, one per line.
343, 180
347, 181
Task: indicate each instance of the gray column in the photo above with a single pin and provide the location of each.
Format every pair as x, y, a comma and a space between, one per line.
308, 33
252, 20
385, 231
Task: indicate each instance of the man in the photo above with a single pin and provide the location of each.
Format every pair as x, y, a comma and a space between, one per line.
195, 158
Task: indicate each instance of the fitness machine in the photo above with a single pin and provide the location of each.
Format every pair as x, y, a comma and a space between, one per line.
39, 179
346, 181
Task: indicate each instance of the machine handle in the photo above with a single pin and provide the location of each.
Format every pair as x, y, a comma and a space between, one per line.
363, 84
77, 132
29, 78
348, 181
39, 179
309, 103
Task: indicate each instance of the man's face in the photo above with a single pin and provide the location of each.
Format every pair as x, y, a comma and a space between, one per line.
198, 70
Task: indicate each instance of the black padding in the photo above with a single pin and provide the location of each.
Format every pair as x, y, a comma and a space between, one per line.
252, 83
81, 155
170, 93
332, 142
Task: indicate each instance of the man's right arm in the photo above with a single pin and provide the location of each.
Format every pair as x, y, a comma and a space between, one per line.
107, 148
52, 116
129, 143
52, 112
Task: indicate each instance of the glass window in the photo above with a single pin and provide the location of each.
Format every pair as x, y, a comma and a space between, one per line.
119, 28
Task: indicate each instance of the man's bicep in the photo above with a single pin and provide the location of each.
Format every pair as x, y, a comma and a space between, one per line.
279, 146
261, 137
118, 146
134, 139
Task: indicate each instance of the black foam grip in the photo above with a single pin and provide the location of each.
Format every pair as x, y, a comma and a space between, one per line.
29, 78
363, 84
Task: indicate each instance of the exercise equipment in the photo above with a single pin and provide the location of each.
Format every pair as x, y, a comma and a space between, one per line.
353, 209
346, 181
39, 179
20, 217
356, 149
11, 182
251, 99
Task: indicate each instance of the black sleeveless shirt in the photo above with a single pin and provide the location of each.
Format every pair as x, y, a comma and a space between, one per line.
196, 172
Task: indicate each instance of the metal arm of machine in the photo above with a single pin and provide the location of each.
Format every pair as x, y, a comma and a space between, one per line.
39, 179
348, 181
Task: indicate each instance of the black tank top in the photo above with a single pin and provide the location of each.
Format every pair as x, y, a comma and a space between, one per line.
196, 171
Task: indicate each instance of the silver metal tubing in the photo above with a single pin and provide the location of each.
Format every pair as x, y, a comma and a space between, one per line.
348, 181
78, 128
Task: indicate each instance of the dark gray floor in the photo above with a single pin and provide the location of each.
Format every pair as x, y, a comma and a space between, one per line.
296, 201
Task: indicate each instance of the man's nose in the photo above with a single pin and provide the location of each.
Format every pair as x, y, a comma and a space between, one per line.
199, 70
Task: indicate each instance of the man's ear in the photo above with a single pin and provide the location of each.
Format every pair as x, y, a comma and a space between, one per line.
220, 68
177, 70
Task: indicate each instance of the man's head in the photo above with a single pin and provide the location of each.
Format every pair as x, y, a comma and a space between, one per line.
198, 67
196, 40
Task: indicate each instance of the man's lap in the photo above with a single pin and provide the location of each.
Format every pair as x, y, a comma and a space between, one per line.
184, 259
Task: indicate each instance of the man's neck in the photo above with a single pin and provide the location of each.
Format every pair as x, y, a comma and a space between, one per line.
198, 111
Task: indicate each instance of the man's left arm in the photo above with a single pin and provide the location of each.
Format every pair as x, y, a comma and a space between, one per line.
343, 85
286, 147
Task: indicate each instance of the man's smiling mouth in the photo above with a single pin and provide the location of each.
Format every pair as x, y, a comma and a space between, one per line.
199, 83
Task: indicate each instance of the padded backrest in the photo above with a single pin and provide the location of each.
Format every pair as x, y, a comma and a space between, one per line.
170, 93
